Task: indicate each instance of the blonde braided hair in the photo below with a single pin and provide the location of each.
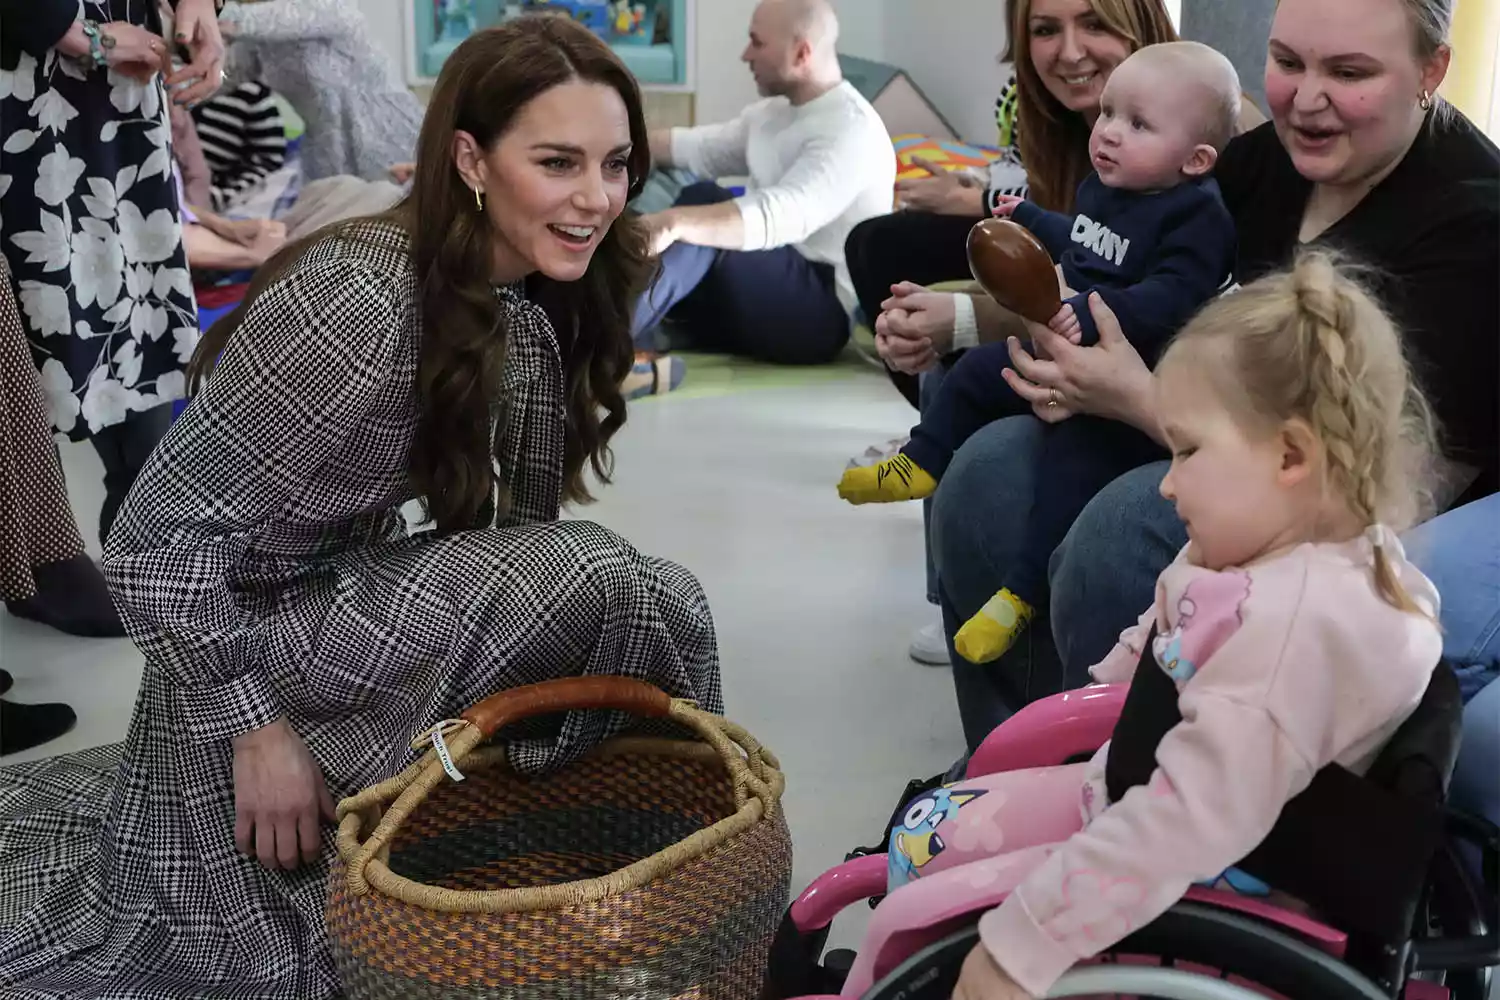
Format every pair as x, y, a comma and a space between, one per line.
1313, 344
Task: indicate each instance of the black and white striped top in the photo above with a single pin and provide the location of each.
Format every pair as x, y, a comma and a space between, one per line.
1007, 175
243, 137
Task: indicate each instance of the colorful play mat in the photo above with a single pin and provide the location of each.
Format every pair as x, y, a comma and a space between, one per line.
941, 154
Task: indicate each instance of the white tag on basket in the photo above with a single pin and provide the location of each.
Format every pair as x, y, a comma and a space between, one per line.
441, 746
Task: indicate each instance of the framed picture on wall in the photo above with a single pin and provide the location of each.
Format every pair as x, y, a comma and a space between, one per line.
652, 37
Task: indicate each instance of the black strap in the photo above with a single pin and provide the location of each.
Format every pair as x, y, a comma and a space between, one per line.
1150, 712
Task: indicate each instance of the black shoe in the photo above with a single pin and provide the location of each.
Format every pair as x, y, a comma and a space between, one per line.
25, 726
72, 597
6, 680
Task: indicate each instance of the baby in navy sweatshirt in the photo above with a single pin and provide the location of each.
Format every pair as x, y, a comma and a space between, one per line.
1152, 237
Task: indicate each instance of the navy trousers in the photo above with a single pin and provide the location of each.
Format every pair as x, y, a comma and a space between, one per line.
1079, 456
772, 305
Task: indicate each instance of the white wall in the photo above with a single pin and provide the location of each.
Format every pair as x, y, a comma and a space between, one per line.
384, 17
863, 30
953, 56
723, 84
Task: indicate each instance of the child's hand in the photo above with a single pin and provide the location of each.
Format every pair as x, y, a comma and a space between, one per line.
252, 232
1065, 324
982, 979
1005, 205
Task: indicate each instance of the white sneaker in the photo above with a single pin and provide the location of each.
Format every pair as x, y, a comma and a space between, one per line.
878, 453
929, 646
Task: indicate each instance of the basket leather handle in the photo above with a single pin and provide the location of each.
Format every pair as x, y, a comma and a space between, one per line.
567, 694
752, 769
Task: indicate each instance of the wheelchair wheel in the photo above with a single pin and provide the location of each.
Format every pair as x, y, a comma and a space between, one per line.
1211, 955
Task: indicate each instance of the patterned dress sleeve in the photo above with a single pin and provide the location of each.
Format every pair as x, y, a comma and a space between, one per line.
305, 367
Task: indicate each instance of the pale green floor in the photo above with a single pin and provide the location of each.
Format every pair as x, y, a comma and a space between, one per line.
710, 375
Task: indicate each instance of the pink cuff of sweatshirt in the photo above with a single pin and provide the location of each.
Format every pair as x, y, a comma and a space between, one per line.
1019, 946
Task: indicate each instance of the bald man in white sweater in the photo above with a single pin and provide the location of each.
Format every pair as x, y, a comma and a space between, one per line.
763, 275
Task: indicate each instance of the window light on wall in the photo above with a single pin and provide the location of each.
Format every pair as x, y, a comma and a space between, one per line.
1473, 83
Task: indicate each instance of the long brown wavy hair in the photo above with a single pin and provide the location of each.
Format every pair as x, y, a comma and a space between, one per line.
483, 86
1054, 140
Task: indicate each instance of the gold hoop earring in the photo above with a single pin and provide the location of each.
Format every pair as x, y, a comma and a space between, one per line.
1426, 101
478, 200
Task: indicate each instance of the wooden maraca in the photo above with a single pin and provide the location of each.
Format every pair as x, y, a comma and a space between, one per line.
1014, 268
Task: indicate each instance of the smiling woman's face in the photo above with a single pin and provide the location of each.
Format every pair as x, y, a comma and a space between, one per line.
1344, 85
1074, 52
555, 181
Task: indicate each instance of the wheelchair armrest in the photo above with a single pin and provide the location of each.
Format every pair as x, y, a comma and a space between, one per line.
839, 888
1051, 731
796, 966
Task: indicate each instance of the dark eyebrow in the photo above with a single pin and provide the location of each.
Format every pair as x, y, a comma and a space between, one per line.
1358, 57
560, 147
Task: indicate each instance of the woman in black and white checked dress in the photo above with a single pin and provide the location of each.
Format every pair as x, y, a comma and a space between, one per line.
294, 634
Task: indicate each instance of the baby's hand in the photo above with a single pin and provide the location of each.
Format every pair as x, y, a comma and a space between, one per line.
1005, 205
1065, 324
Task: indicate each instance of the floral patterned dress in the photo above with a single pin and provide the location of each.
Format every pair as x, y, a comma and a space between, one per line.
89, 225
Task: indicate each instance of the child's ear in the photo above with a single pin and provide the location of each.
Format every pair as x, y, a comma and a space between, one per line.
1201, 161
1301, 452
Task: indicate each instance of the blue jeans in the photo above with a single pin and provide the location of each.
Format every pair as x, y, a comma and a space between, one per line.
1476, 784
927, 388
978, 525
1460, 552
1078, 456
1103, 575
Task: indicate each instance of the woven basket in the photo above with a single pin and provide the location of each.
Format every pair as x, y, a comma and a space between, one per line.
652, 869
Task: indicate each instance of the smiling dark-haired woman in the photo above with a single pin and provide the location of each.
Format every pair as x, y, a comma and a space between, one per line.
465, 348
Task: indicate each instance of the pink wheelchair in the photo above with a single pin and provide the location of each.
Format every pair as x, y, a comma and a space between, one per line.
1381, 860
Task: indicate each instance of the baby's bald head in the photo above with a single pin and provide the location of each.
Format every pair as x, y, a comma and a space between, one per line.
1166, 114
1204, 77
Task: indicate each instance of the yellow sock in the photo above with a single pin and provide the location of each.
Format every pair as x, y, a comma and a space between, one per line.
891, 481
990, 634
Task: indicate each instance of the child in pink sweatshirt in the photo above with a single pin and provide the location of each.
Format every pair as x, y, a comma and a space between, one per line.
1295, 630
